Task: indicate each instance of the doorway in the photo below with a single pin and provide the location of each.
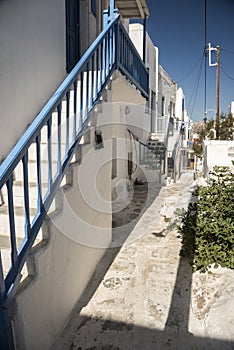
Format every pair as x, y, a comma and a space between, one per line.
72, 33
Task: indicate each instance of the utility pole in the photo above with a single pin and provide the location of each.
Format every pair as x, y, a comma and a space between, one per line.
217, 64
217, 90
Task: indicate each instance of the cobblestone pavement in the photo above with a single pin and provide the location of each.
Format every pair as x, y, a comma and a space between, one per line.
149, 298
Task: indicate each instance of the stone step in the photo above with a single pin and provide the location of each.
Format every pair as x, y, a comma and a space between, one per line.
32, 156
6, 262
85, 139
32, 171
71, 111
32, 165
54, 130
6, 245
19, 220
19, 194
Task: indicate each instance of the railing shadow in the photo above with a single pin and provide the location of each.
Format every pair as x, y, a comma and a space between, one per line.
95, 333
101, 333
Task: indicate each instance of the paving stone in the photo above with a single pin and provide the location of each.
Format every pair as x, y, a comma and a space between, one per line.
149, 298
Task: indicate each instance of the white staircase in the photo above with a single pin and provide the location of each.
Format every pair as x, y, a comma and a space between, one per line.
18, 186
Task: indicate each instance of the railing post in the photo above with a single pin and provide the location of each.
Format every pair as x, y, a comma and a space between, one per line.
110, 14
26, 195
117, 45
39, 192
105, 19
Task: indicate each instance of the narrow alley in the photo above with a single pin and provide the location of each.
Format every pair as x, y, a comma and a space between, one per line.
148, 298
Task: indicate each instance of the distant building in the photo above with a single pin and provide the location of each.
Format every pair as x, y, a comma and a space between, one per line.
217, 153
231, 107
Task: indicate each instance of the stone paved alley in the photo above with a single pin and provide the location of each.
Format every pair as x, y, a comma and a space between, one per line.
148, 298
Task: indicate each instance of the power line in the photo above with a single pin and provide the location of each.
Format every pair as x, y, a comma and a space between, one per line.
227, 75
189, 73
195, 96
232, 52
195, 89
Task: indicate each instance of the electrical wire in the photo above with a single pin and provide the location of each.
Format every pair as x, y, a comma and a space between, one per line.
190, 72
232, 52
227, 75
195, 89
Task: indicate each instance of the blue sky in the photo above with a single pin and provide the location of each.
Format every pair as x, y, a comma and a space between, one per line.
177, 28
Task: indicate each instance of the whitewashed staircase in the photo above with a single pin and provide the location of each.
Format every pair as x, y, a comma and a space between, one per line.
86, 143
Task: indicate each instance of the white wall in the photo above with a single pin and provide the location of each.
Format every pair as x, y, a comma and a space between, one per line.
32, 62
136, 34
81, 232
33, 58
167, 93
179, 99
188, 128
231, 108
124, 110
79, 235
217, 153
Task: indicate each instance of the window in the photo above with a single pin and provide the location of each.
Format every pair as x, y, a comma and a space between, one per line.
163, 105
171, 126
94, 7
72, 33
147, 104
153, 108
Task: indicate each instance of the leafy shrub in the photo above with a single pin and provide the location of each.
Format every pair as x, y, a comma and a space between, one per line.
207, 228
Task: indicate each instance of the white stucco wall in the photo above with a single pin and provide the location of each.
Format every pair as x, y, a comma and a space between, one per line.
32, 62
217, 153
151, 54
79, 235
188, 128
126, 109
231, 108
166, 100
178, 107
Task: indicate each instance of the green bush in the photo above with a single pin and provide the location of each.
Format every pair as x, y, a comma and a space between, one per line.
207, 228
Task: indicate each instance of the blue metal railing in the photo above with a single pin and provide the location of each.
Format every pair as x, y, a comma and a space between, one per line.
130, 62
75, 99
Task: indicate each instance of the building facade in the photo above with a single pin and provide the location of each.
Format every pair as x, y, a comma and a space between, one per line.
80, 153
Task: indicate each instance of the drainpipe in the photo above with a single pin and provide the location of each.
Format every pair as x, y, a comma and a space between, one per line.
144, 41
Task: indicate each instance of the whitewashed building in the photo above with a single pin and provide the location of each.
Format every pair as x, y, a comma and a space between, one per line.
76, 101
217, 153
231, 107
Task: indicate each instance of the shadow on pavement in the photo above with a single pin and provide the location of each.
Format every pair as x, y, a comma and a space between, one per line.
94, 333
104, 334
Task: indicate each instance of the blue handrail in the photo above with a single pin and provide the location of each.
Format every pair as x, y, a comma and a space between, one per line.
80, 91
130, 62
